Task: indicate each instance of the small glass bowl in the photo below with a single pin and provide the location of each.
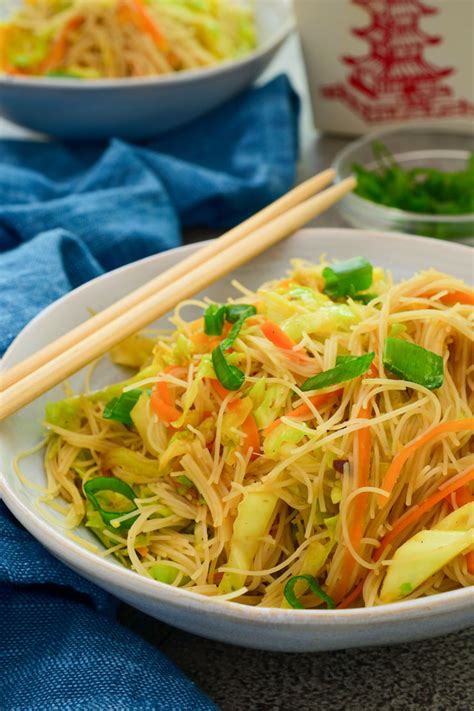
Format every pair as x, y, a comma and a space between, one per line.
420, 145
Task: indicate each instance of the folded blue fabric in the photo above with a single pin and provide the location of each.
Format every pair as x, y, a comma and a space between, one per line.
70, 212
67, 214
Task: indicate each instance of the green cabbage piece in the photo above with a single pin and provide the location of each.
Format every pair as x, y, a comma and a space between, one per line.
271, 405
327, 320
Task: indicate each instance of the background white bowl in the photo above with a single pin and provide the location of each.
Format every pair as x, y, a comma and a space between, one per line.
263, 628
143, 107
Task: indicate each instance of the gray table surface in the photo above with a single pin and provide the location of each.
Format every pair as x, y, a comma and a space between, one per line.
436, 674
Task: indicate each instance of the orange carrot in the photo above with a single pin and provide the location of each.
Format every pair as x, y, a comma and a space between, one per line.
395, 468
166, 412
58, 48
162, 400
210, 342
470, 562
143, 550
364, 445
463, 496
302, 410
149, 25
163, 392
352, 596
219, 388
363, 442
416, 511
252, 437
453, 297
278, 337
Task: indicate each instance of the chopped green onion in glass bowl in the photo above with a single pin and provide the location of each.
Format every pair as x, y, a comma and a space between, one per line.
403, 172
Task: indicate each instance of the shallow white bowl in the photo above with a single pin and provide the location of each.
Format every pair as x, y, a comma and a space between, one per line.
274, 629
140, 108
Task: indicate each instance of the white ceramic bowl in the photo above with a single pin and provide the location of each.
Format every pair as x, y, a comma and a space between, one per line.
274, 629
140, 108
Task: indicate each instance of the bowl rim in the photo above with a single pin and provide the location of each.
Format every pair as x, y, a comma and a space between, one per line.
172, 79
108, 572
394, 213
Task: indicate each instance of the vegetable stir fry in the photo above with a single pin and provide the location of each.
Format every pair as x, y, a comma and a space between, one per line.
96, 39
304, 445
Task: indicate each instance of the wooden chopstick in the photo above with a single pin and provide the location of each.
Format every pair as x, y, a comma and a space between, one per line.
77, 334
143, 313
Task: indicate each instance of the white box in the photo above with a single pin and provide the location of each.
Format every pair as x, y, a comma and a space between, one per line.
375, 64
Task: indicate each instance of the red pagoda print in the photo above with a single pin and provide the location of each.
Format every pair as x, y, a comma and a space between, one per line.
394, 81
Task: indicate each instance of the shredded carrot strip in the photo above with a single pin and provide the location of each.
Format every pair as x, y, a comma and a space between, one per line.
164, 393
252, 437
470, 562
278, 337
364, 445
463, 496
416, 511
149, 25
59, 46
166, 412
352, 596
303, 409
219, 388
363, 441
453, 297
162, 401
143, 550
395, 468
210, 342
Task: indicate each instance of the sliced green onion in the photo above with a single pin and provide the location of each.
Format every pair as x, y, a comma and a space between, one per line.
119, 408
413, 363
344, 359
238, 323
350, 367
228, 375
107, 483
314, 587
364, 298
234, 312
347, 278
214, 317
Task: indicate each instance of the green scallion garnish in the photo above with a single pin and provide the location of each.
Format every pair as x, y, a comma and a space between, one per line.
413, 363
231, 377
228, 375
347, 278
214, 317
119, 408
421, 190
313, 585
216, 314
348, 367
106, 483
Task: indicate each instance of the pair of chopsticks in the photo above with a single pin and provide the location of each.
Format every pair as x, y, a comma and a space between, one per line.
94, 337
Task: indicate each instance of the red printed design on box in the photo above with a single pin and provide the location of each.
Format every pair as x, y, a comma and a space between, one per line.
394, 81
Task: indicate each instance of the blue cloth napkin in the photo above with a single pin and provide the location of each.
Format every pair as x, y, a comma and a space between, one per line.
67, 214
